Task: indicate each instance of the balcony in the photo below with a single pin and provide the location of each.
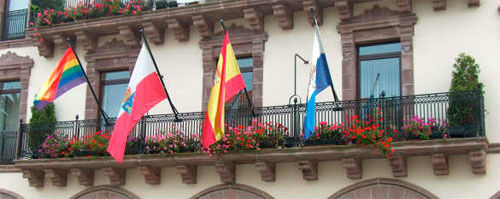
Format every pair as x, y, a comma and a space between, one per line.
442, 133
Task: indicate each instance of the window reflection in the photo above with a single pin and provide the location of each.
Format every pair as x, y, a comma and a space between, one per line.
114, 86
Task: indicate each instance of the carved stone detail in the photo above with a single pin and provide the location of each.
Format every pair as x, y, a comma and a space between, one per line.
13, 66
478, 161
309, 169
226, 171
473, 3
440, 164
318, 11
267, 170
344, 8
404, 5
152, 175
88, 40
204, 25
352, 168
188, 173
181, 30
155, 33
35, 178
398, 165
255, 19
375, 13
85, 176
284, 13
45, 48
130, 36
58, 177
60, 40
116, 175
438, 5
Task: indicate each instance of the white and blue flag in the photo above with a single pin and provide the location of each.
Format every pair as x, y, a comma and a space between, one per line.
320, 79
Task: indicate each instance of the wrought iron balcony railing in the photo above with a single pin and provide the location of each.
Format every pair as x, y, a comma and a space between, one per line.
459, 115
14, 24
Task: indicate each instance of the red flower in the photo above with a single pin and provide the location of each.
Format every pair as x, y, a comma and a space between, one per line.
323, 123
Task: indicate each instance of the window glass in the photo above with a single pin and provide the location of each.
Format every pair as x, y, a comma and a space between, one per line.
246, 68
114, 86
388, 83
380, 49
384, 61
18, 4
9, 105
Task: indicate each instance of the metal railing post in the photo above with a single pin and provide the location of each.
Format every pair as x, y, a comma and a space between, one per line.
481, 110
142, 136
20, 136
77, 126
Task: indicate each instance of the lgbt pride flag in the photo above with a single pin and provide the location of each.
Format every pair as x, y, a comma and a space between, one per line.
144, 91
65, 76
228, 82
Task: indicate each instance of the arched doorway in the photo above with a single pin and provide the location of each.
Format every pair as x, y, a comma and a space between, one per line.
383, 188
104, 192
232, 191
4, 194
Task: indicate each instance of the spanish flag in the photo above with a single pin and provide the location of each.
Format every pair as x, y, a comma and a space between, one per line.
65, 76
228, 82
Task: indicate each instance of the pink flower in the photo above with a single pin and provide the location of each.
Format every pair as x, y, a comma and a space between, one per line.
323, 123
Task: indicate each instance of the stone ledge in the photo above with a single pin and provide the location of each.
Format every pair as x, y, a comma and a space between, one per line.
462, 146
16, 43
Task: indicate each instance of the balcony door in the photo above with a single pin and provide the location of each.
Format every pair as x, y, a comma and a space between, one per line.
15, 19
9, 117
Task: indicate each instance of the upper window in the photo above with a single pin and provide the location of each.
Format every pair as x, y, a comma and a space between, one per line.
379, 70
114, 85
246, 68
15, 19
9, 105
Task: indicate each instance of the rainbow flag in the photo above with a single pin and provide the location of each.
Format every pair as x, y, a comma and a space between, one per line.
228, 82
65, 76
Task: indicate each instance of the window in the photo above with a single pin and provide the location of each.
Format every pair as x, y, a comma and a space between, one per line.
114, 85
9, 117
9, 105
381, 60
15, 19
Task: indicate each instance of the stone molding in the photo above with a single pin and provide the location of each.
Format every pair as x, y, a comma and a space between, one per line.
57, 176
117, 176
267, 170
398, 165
377, 182
306, 159
113, 55
105, 188
152, 175
85, 176
15, 67
233, 186
496, 196
376, 25
10, 194
246, 43
16, 43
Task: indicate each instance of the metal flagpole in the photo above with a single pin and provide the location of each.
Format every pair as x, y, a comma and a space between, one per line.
176, 113
245, 89
335, 97
104, 115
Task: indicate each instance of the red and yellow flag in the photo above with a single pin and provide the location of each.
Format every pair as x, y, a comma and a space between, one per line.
228, 82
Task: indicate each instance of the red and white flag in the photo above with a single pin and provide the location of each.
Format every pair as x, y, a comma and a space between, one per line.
144, 91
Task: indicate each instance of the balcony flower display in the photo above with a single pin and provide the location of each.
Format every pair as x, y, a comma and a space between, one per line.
425, 129
85, 11
53, 146
249, 138
170, 143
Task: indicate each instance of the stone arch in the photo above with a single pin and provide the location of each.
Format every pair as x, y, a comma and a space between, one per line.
383, 188
105, 192
232, 191
496, 196
5, 194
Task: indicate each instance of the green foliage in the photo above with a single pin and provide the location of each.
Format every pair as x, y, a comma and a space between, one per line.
44, 4
463, 109
41, 124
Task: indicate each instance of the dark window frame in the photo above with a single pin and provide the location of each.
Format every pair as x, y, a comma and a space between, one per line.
361, 58
104, 83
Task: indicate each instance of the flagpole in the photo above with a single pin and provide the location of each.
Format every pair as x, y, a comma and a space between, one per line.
104, 115
335, 97
176, 113
221, 21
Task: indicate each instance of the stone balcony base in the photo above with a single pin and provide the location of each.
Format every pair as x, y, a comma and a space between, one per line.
307, 158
